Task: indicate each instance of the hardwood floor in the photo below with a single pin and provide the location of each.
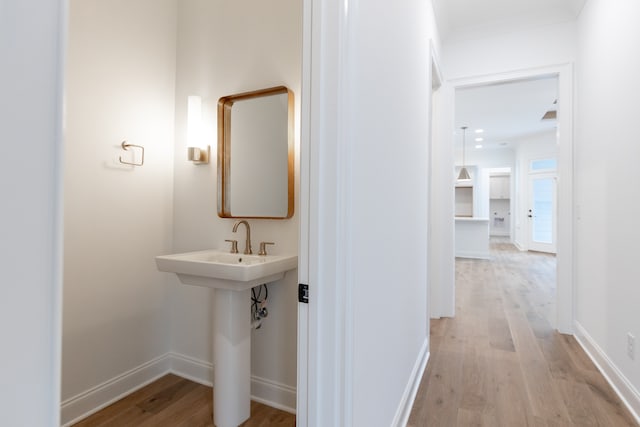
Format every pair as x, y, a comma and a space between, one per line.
172, 401
499, 362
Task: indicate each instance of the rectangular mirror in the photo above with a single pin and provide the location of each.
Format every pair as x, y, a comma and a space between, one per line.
255, 154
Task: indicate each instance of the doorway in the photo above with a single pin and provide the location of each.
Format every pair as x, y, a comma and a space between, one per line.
564, 185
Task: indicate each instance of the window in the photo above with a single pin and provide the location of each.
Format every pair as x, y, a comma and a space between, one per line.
544, 165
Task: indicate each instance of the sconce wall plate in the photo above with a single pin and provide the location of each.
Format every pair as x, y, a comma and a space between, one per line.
199, 156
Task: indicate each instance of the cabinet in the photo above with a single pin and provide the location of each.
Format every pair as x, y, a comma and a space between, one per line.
499, 187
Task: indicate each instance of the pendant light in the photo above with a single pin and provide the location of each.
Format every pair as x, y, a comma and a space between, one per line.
464, 174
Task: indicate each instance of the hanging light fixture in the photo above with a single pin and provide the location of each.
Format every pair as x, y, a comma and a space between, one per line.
464, 173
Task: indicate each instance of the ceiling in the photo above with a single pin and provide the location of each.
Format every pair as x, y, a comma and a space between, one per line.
465, 18
506, 112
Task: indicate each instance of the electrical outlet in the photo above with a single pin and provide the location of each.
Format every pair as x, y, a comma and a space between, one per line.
631, 346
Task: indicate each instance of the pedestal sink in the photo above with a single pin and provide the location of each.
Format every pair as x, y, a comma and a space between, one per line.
232, 276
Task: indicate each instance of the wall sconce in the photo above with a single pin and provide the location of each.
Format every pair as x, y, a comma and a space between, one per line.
195, 153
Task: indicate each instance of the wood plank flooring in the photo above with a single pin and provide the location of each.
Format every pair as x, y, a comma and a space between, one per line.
172, 401
499, 362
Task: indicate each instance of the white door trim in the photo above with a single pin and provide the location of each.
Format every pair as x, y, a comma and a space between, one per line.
325, 361
302, 384
440, 260
565, 269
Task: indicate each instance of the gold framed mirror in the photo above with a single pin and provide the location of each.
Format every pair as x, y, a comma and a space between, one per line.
256, 154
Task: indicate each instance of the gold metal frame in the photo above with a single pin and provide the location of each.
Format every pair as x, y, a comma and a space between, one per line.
224, 149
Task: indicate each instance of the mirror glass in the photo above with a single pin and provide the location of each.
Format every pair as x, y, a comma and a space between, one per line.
255, 154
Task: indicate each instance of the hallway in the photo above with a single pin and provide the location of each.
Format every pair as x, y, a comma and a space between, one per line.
500, 363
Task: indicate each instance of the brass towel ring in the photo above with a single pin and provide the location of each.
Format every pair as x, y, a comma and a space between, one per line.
125, 147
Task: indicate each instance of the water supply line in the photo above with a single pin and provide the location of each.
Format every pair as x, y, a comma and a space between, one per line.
259, 306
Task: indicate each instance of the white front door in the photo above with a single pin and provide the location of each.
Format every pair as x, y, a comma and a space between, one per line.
542, 212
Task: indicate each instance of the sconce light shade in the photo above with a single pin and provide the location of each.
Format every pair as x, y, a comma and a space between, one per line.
196, 154
464, 175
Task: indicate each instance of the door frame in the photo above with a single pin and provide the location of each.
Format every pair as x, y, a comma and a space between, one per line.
565, 225
324, 387
440, 250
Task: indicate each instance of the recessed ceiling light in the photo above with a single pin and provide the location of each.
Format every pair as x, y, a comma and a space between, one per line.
479, 139
479, 130
478, 145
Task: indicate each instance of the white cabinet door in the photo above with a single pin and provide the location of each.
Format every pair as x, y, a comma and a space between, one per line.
499, 187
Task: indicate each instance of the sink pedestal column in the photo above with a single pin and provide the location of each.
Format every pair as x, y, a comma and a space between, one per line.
232, 357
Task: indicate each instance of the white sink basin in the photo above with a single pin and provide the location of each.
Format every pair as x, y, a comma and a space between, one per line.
222, 270
231, 275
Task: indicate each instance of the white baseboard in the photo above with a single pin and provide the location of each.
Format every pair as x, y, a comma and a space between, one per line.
274, 394
265, 391
620, 384
473, 255
268, 392
520, 247
84, 404
409, 395
192, 369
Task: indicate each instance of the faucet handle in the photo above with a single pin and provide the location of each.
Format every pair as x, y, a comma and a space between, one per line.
234, 245
263, 248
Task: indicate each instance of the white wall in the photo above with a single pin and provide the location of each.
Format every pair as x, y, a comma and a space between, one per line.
498, 53
491, 158
607, 202
388, 228
120, 78
226, 48
369, 190
396, 289
31, 48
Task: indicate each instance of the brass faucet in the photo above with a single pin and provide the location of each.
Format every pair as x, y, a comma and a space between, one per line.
247, 247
